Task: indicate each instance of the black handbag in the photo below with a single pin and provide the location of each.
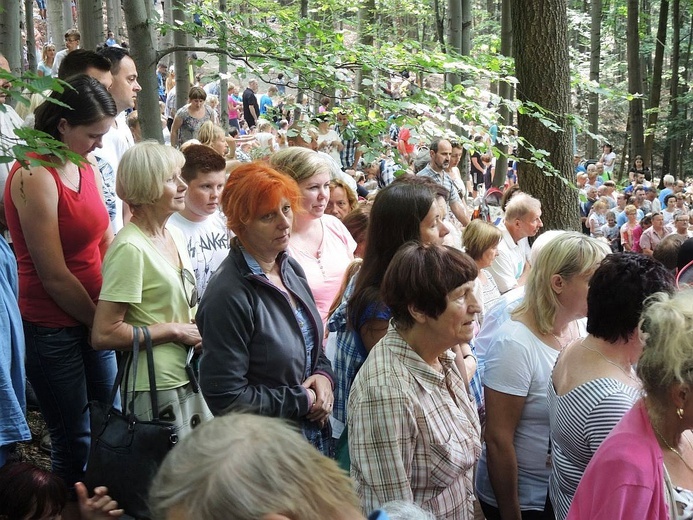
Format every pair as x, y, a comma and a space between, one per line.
126, 452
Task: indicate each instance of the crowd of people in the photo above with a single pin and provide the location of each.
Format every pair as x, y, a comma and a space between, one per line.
334, 338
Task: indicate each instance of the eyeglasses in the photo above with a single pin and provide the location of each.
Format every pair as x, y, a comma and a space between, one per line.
189, 286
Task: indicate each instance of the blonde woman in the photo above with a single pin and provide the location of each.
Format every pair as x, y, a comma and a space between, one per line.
513, 472
481, 241
47, 58
320, 243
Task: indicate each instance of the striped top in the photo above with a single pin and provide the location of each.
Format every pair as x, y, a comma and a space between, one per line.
580, 421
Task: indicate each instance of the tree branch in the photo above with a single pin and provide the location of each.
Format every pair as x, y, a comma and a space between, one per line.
215, 50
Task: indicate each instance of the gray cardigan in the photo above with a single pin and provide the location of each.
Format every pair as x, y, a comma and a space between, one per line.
254, 354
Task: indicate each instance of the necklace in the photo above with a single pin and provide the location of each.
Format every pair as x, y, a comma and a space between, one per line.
63, 174
628, 374
561, 345
670, 447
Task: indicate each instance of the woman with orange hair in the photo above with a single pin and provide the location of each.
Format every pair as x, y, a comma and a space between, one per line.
261, 330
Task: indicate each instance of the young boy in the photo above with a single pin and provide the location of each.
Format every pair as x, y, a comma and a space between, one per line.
611, 232
201, 223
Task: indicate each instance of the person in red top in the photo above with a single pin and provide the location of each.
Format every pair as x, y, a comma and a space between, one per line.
60, 227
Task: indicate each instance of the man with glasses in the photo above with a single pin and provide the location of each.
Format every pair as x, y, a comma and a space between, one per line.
72, 38
681, 225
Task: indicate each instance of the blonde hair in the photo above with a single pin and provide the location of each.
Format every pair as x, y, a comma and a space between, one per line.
209, 131
144, 169
569, 254
299, 163
666, 328
245, 467
479, 236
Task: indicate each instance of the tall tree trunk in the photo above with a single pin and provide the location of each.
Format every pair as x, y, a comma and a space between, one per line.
167, 40
91, 23
540, 32
637, 138
30, 38
466, 44
440, 24
454, 35
673, 137
505, 92
367, 13
656, 89
223, 73
68, 19
55, 23
143, 52
180, 38
10, 35
595, 57
112, 7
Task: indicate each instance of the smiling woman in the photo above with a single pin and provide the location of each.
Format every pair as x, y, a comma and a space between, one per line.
60, 228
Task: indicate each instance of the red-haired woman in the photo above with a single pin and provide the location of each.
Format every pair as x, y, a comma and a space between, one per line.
261, 330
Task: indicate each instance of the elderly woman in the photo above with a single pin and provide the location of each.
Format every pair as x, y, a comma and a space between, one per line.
414, 434
320, 243
342, 199
61, 230
216, 471
514, 469
644, 468
148, 282
593, 383
261, 329
481, 241
191, 117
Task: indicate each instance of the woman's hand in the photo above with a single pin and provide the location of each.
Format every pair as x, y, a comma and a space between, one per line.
322, 407
97, 507
190, 335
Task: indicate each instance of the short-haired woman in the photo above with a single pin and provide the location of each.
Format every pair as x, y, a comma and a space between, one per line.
414, 433
190, 118
644, 468
261, 330
148, 282
61, 230
593, 383
514, 469
481, 241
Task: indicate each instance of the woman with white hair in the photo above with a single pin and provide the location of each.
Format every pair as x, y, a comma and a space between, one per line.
514, 468
149, 282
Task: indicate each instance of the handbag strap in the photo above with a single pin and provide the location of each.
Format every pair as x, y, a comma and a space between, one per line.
152, 376
134, 357
122, 370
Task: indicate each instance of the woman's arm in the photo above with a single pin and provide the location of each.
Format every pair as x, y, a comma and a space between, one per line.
35, 196
175, 127
111, 332
503, 412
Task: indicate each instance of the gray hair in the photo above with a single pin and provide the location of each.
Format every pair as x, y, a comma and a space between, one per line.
401, 510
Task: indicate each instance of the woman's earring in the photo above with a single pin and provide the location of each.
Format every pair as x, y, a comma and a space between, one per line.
679, 412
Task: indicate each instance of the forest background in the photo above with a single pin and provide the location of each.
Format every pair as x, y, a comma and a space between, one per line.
562, 77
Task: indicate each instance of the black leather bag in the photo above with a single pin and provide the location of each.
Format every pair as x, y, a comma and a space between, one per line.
126, 452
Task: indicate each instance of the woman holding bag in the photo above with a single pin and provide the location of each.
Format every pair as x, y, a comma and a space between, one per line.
148, 282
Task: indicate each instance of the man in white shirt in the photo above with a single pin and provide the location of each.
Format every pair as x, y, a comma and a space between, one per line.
9, 120
522, 220
72, 38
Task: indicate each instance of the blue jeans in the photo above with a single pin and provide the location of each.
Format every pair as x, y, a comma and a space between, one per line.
66, 374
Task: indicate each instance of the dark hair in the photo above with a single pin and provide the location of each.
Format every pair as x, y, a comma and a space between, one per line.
618, 290
30, 492
426, 182
395, 219
508, 194
197, 93
85, 102
79, 60
201, 159
436, 143
685, 255
667, 251
114, 55
422, 275
356, 222
666, 199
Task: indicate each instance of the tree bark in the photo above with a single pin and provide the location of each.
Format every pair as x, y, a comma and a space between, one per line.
181, 58
167, 40
10, 37
454, 35
68, 19
54, 23
637, 138
505, 92
673, 132
540, 32
223, 74
656, 89
366, 27
30, 38
112, 7
595, 57
440, 24
143, 52
91, 24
